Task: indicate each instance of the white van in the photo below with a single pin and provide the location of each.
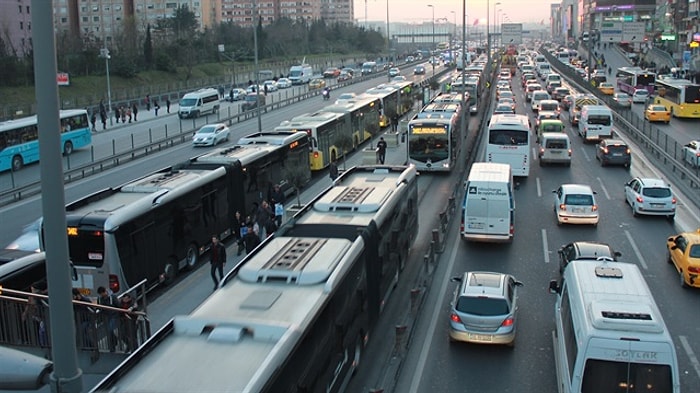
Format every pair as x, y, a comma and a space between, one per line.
609, 333
543, 69
595, 122
537, 97
300, 74
489, 207
555, 148
369, 67
552, 77
198, 103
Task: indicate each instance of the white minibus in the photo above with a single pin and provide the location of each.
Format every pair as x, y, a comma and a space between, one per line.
198, 103
488, 207
595, 122
609, 334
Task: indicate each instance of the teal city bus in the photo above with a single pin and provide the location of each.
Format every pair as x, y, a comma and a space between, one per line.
19, 139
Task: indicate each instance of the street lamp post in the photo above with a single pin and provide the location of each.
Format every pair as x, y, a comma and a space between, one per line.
257, 67
454, 36
104, 53
494, 28
432, 48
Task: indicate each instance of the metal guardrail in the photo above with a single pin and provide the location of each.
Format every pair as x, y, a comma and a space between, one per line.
100, 165
657, 144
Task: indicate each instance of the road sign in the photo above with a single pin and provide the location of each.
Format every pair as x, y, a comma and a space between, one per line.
686, 60
611, 32
633, 31
512, 33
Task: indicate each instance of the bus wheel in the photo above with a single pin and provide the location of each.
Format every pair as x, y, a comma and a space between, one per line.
17, 163
68, 148
170, 272
192, 256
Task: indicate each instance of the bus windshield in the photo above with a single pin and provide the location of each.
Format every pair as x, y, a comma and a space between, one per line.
432, 147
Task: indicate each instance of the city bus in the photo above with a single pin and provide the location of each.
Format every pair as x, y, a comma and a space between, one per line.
361, 112
296, 314
680, 96
396, 98
433, 141
325, 130
155, 226
631, 78
509, 142
19, 139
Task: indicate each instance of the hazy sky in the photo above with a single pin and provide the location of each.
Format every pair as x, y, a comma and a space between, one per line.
417, 11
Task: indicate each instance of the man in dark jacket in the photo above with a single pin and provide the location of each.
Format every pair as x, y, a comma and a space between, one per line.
251, 239
218, 260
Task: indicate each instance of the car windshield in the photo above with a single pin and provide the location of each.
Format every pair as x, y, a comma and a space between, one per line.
641, 93
656, 192
549, 107
188, 102
579, 199
206, 130
482, 306
658, 108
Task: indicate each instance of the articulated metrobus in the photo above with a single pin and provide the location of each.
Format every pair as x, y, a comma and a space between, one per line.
433, 140
509, 142
680, 96
19, 139
296, 314
631, 78
361, 111
395, 97
324, 130
155, 226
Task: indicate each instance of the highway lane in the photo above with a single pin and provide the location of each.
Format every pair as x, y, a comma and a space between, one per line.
433, 364
26, 211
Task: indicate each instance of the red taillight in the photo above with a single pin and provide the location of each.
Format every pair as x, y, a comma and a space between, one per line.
639, 199
605, 150
455, 318
693, 269
594, 208
113, 283
541, 150
508, 322
562, 207
673, 200
697, 154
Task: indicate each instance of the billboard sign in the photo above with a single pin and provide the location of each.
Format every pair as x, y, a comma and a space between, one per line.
633, 31
511, 33
611, 32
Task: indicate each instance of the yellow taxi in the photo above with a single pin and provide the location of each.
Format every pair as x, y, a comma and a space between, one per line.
655, 112
317, 83
684, 254
607, 88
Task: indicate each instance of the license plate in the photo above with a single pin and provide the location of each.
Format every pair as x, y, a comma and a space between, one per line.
577, 210
556, 152
617, 154
480, 337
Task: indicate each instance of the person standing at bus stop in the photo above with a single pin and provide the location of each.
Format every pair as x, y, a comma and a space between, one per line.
218, 260
381, 150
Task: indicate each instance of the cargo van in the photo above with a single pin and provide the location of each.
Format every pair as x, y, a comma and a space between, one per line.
369, 67
198, 103
554, 148
488, 208
595, 123
300, 74
609, 334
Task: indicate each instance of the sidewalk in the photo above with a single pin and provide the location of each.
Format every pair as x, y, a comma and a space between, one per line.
142, 116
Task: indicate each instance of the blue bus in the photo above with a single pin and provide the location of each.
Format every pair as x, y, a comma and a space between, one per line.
19, 139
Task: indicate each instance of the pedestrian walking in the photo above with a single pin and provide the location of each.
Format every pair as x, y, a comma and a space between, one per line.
93, 120
262, 217
239, 229
167, 105
102, 107
251, 239
111, 318
117, 113
122, 110
218, 260
135, 110
127, 323
128, 113
277, 199
103, 118
148, 102
333, 170
156, 107
381, 150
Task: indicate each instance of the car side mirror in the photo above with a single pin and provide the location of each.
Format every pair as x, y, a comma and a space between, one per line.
617, 254
518, 284
456, 279
554, 287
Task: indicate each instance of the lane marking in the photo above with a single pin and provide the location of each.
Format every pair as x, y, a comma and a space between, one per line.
585, 154
636, 250
539, 187
602, 186
545, 246
691, 355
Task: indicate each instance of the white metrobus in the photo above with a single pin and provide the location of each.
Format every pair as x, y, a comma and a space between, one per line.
509, 142
609, 334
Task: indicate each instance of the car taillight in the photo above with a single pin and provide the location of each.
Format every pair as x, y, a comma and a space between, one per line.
693, 269
673, 200
113, 283
628, 151
455, 318
605, 150
508, 322
569, 152
640, 199
562, 206
594, 207
697, 154
541, 149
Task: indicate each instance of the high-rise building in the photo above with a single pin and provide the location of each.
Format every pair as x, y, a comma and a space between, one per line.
16, 25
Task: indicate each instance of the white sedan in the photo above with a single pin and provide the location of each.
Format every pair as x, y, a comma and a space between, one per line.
284, 83
271, 85
211, 135
575, 204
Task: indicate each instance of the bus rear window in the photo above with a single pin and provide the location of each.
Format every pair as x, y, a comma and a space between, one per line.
608, 376
86, 248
